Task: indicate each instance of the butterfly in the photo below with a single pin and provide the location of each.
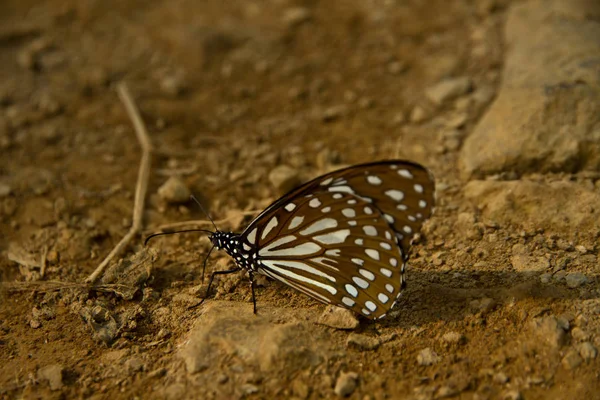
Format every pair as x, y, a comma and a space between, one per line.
343, 238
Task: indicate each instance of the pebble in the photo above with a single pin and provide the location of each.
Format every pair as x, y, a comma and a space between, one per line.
418, 114
53, 374
549, 330
5, 190
448, 89
427, 357
362, 342
523, 263
284, 178
572, 359
295, 16
512, 395
173, 84
579, 334
587, 351
134, 364
500, 378
338, 318
575, 279
334, 112
454, 338
174, 190
346, 384
546, 278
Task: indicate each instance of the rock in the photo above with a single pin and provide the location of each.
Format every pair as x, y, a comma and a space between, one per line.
546, 278
334, 112
575, 279
174, 191
418, 114
284, 178
512, 395
427, 357
448, 89
587, 351
548, 106
556, 206
500, 378
571, 360
134, 364
549, 330
484, 305
338, 318
5, 190
295, 16
230, 329
362, 342
173, 84
53, 374
345, 384
523, 263
454, 338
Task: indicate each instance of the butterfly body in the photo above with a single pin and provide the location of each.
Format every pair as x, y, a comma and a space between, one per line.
342, 238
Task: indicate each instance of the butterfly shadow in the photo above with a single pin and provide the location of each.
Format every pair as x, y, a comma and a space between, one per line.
432, 296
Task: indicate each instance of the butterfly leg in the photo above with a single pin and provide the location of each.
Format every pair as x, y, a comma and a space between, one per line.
252, 285
210, 281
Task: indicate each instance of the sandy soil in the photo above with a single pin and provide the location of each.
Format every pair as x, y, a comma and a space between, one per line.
498, 306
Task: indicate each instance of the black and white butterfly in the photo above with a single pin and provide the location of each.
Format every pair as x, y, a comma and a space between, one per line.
342, 238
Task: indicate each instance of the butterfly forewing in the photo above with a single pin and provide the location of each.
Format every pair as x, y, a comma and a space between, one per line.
402, 191
336, 248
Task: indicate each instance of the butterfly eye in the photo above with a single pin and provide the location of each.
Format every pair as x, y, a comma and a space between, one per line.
342, 238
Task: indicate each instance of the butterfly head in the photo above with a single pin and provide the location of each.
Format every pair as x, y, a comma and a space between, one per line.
224, 240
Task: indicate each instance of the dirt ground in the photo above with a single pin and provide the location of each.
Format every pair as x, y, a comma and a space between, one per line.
495, 308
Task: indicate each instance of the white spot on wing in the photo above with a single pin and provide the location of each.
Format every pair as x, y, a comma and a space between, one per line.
351, 290
333, 237
270, 225
348, 301
367, 274
396, 195
383, 298
374, 180
326, 209
349, 212
290, 207
326, 181
370, 230
385, 245
370, 305
405, 173
345, 189
338, 196
368, 210
388, 218
296, 221
359, 241
407, 229
386, 272
333, 252
360, 282
320, 225
418, 188
303, 249
393, 262
389, 288
422, 203
358, 261
252, 236
374, 254
314, 203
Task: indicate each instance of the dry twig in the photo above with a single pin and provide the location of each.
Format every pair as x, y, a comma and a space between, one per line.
142, 182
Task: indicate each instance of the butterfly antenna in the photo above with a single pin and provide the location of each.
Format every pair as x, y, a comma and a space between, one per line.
173, 232
204, 211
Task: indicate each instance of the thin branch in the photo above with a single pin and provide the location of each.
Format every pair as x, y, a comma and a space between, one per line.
142, 182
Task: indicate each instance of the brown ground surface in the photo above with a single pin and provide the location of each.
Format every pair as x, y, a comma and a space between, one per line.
229, 91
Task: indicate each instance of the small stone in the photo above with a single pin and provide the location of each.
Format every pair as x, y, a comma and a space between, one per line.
454, 338
334, 112
284, 178
427, 357
549, 330
446, 391
575, 279
579, 334
572, 359
546, 278
362, 342
174, 190
500, 378
249, 388
134, 364
524, 263
173, 84
448, 89
484, 305
295, 16
512, 395
345, 384
418, 114
35, 323
53, 374
396, 67
587, 351
338, 318
5, 190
